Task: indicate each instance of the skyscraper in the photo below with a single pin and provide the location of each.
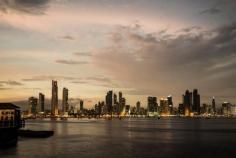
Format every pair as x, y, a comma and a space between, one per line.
169, 99
116, 104
187, 102
33, 102
181, 109
214, 105
65, 105
226, 108
122, 103
115, 99
164, 105
109, 101
100, 105
54, 101
196, 102
152, 104
170, 103
138, 106
191, 102
120, 97
149, 106
41, 102
81, 105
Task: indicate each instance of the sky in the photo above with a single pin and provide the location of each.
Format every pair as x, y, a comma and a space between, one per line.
140, 47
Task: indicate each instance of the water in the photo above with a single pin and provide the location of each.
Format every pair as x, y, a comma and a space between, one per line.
138, 138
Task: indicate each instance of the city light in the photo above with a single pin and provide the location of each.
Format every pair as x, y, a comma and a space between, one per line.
115, 106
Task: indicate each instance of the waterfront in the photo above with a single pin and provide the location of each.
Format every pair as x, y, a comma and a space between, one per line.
175, 137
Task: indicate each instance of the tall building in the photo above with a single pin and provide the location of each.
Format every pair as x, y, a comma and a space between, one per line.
81, 105
226, 108
170, 103
41, 102
115, 99
96, 109
214, 105
196, 102
155, 104
33, 102
187, 102
120, 97
127, 109
65, 104
191, 102
123, 104
116, 104
54, 101
152, 104
104, 108
138, 106
181, 109
165, 109
120, 103
100, 106
109, 101
149, 104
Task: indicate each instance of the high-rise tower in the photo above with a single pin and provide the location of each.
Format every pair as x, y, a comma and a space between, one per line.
196, 102
170, 103
138, 106
54, 101
41, 102
33, 103
109, 101
187, 102
120, 97
115, 99
65, 105
214, 105
152, 104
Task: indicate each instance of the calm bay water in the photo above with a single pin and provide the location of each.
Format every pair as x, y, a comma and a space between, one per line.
176, 137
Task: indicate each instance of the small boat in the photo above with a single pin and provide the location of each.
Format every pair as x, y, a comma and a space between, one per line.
35, 134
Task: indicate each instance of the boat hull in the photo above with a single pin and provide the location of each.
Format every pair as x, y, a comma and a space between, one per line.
35, 134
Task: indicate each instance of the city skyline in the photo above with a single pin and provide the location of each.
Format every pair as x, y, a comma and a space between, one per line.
91, 47
115, 101
115, 105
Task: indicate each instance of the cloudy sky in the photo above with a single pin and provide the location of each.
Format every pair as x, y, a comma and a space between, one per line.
140, 47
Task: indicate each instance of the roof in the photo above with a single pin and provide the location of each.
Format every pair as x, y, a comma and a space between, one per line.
8, 106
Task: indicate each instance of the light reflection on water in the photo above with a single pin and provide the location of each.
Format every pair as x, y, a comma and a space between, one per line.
176, 137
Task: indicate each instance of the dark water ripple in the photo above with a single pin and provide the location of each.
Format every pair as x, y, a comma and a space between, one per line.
131, 138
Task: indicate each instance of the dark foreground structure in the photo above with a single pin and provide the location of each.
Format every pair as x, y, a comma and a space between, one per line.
10, 122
